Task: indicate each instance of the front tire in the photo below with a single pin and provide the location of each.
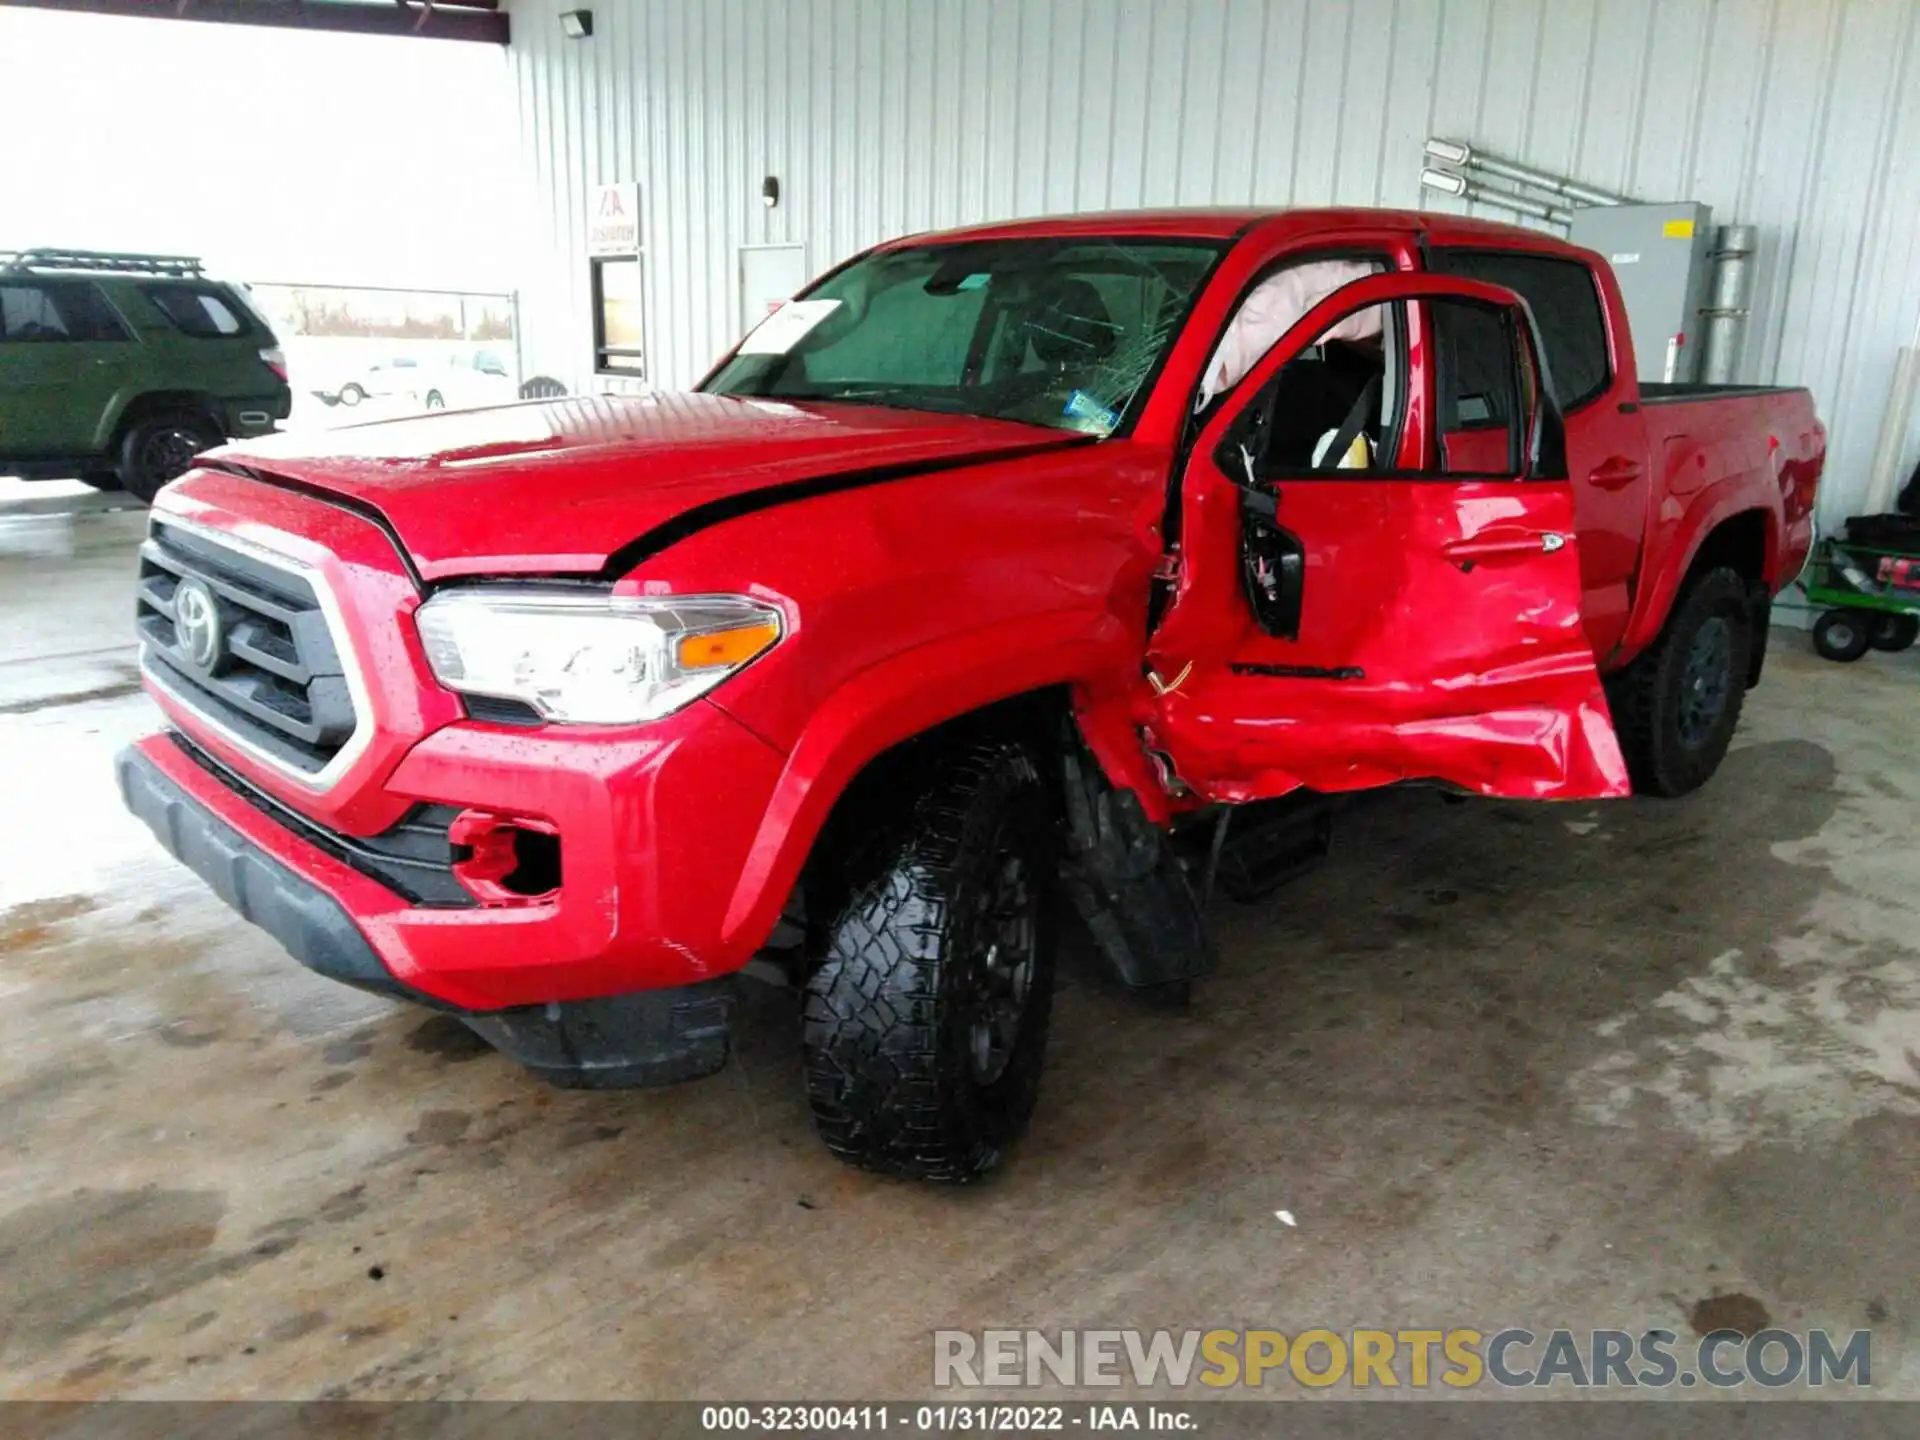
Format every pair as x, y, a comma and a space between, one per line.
925, 1026
1675, 708
162, 447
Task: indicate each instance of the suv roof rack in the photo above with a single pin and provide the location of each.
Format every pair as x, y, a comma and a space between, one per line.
110, 260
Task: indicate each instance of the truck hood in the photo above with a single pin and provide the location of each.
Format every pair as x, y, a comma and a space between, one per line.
568, 486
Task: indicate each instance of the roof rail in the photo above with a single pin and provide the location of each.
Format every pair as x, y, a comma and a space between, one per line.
108, 260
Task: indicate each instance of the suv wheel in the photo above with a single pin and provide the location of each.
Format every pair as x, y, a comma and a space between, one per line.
1675, 708
926, 1025
160, 447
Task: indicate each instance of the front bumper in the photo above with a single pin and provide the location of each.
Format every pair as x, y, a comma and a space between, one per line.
656, 827
314, 927
650, 1037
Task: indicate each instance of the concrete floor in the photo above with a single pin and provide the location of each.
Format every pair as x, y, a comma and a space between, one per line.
1504, 1064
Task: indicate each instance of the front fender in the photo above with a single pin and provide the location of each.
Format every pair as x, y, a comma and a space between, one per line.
903, 696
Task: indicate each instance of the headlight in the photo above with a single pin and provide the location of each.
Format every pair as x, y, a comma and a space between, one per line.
591, 659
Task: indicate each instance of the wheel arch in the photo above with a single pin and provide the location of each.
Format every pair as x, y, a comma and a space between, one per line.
1721, 531
1039, 719
148, 403
1035, 678
1744, 542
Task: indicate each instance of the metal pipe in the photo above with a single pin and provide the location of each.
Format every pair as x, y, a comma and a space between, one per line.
443, 20
1726, 310
1450, 184
1455, 152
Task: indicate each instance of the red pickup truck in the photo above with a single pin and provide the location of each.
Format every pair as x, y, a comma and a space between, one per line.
1021, 556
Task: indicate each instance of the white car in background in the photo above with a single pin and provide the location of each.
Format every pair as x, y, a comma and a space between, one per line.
461, 381
466, 382
396, 376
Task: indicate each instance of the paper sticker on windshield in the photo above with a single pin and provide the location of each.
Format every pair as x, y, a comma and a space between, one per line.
1082, 406
787, 327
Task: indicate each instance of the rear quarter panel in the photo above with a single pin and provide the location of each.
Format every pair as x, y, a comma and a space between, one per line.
219, 371
1714, 458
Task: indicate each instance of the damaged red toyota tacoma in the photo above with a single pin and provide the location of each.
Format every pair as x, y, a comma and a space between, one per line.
1093, 553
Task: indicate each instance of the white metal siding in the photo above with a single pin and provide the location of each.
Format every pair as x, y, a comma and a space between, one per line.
886, 116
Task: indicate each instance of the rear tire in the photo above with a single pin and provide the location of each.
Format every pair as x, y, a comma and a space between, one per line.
161, 447
1896, 632
1843, 635
1675, 708
925, 1027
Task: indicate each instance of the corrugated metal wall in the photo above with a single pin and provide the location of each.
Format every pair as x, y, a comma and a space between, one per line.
887, 116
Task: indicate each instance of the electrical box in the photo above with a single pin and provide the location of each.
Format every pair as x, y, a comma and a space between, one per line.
1661, 254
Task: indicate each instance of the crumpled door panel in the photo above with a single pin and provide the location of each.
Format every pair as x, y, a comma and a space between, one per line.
1440, 638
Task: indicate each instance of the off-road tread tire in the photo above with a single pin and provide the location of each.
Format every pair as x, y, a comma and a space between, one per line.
885, 1053
1645, 697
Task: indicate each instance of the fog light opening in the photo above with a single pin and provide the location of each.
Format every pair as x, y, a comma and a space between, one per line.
538, 869
505, 859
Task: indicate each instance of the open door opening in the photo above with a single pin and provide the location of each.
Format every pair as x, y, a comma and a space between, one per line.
1379, 578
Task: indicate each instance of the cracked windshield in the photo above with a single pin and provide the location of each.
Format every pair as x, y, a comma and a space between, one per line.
1064, 334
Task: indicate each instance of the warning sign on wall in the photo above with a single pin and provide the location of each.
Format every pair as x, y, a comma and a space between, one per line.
613, 224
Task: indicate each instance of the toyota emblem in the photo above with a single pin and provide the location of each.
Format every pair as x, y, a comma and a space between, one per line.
196, 624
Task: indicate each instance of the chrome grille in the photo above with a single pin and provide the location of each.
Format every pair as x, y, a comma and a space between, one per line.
274, 678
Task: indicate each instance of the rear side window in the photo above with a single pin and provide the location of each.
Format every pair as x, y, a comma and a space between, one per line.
57, 310
1475, 366
1566, 306
204, 314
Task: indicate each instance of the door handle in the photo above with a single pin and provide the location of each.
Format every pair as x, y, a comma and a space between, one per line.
1468, 553
1614, 474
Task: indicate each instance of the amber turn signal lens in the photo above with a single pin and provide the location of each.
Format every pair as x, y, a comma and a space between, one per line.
726, 647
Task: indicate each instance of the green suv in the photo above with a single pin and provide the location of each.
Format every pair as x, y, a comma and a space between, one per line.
119, 369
